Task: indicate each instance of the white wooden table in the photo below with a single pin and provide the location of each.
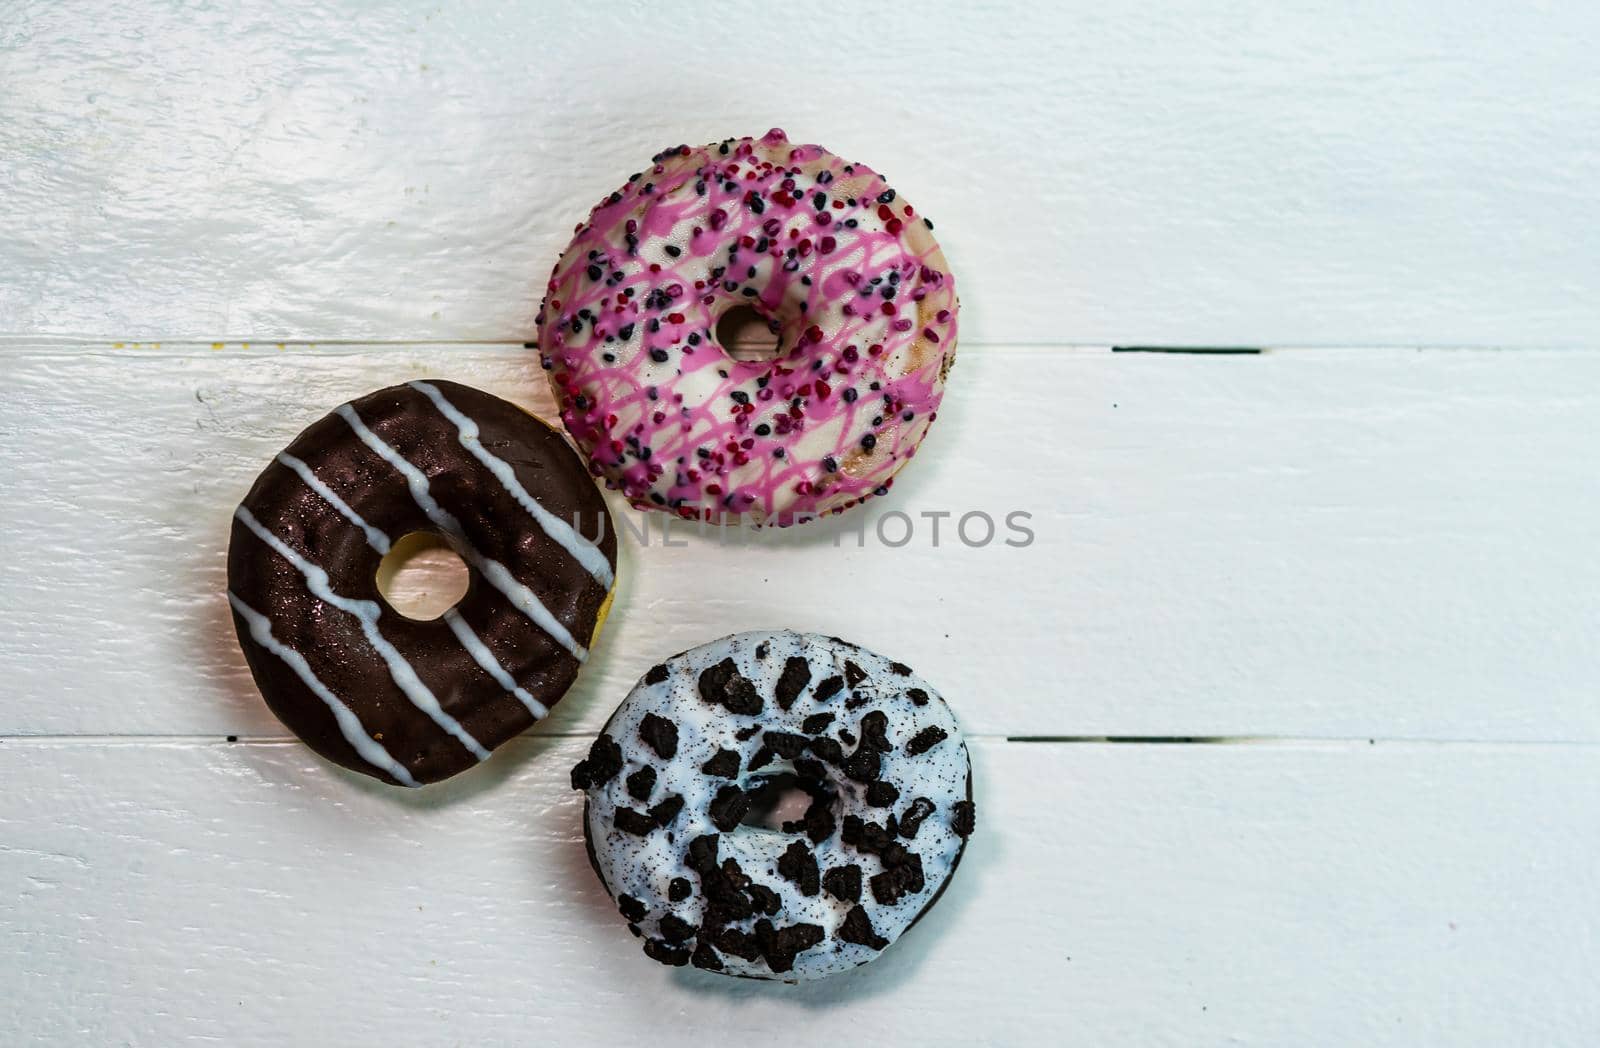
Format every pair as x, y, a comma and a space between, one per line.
1286, 724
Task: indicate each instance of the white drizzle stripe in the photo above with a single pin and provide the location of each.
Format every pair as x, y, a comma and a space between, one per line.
366, 612
521, 597
485, 659
350, 727
375, 538
582, 550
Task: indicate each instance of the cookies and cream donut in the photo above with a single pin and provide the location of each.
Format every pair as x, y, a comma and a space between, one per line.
671, 780
843, 268
404, 700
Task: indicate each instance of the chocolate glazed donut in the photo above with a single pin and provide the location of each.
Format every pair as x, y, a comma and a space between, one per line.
404, 700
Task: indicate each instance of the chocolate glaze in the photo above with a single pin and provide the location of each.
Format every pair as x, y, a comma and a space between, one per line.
338, 651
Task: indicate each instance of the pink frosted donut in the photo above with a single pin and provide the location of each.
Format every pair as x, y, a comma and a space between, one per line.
840, 265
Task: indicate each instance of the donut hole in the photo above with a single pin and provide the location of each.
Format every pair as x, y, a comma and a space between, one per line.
422, 577
744, 334
778, 797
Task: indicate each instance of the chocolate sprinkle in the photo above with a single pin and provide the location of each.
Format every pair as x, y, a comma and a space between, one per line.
661, 734
796, 675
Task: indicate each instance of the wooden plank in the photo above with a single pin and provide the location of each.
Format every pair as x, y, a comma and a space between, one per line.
1332, 895
1368, 544
1256, 171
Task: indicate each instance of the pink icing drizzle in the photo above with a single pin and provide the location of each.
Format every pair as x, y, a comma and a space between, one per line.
847, 269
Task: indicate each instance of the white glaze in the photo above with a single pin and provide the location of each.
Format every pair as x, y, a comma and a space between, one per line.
489, 664
375, 538
642, 867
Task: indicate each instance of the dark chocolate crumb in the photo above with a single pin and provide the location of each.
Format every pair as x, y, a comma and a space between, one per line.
857, 928
827, 749
828, 689
679, 889
661, 734
764, 899
728, 807
738, 943
796, 675
763, 648
724, 765
631, 908
666, 811
900, 669
705, 957
843, 883
781, 946
875, 731
925, 740
816, 722
642, 783
881, 794
963, 818
866, 836
853, 674
917, 696
702, 854
819, 823
797, 864
746, 733
761, 758
635, 822
675, 928
657, 950
864, 764
911, 820
601, 766
902, 878
785, 744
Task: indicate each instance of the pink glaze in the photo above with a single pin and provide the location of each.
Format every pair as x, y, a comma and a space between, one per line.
862, 296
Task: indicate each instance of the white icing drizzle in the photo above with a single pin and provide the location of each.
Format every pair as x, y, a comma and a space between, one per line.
489, 664
367, 612
375, 538
350, 726
520, 596
581, 549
